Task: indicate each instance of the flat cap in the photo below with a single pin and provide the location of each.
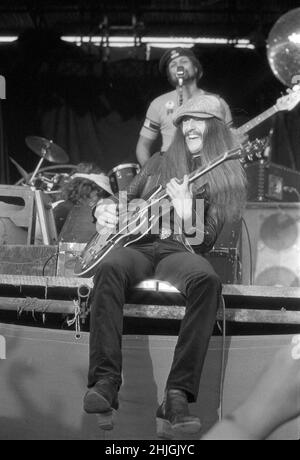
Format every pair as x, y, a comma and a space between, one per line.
201, 106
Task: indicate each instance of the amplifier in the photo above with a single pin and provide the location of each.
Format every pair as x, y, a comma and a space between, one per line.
270, 244
271, 182
68, 254
79, 226
28, 260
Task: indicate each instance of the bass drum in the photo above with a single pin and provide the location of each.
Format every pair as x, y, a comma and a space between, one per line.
121, 176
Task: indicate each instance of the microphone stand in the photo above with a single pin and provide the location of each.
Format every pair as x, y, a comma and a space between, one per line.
180, 75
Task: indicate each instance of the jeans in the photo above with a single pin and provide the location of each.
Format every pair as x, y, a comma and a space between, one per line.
165, 260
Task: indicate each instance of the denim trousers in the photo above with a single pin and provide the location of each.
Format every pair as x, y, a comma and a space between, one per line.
165, 260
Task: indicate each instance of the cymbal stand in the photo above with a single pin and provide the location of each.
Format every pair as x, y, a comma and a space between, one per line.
44, 152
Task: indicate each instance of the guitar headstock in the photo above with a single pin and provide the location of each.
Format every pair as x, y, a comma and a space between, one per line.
255, 150
289, 101
250, 151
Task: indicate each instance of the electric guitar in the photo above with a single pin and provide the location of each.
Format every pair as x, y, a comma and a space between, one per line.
135, 227
285, 103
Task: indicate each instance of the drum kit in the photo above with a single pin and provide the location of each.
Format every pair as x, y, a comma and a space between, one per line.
121, 176
50, 181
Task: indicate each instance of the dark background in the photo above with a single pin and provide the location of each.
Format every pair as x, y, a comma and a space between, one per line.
93, 105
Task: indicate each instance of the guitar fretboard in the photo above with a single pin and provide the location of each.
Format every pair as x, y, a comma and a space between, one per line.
257, 120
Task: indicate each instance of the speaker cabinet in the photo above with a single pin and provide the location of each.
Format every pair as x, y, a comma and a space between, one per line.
270, 244
79, 226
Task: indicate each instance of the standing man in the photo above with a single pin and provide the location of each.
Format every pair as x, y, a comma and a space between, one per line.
201, 136
184, 71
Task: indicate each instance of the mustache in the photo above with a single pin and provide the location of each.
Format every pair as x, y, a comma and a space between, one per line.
193, 133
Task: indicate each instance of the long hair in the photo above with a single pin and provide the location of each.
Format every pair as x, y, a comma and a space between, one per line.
79, 190
226, 183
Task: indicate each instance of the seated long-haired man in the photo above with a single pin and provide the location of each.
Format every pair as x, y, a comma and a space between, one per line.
202, 135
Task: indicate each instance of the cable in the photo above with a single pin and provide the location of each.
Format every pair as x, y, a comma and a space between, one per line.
222, 379
54, 255
30, 262
250, 250
48, 260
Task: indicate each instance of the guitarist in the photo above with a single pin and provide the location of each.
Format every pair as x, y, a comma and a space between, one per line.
202, 135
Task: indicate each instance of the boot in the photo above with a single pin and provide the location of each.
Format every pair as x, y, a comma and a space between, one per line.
101, 400
173, 416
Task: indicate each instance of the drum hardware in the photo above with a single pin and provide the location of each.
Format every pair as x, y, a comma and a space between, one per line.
47, 150
51, 184
41, 220
121, 176
84, 293
25, 175
48, 179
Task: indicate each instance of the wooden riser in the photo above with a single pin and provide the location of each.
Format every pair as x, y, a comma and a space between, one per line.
229, 290
174, 312
43, 381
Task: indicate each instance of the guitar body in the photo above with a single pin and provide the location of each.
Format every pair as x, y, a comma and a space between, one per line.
95, 251
103, 242
134, 227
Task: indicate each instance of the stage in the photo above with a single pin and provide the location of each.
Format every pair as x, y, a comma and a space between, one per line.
43, 381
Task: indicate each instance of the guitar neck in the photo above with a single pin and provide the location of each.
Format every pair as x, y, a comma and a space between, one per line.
257, 120
200, 172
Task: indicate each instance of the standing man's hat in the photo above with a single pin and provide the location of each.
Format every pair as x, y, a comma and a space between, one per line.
174, 53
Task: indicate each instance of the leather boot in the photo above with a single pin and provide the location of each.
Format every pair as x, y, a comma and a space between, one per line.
173, 416
101, 400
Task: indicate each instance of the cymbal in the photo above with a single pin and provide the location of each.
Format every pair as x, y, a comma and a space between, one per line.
47, 149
